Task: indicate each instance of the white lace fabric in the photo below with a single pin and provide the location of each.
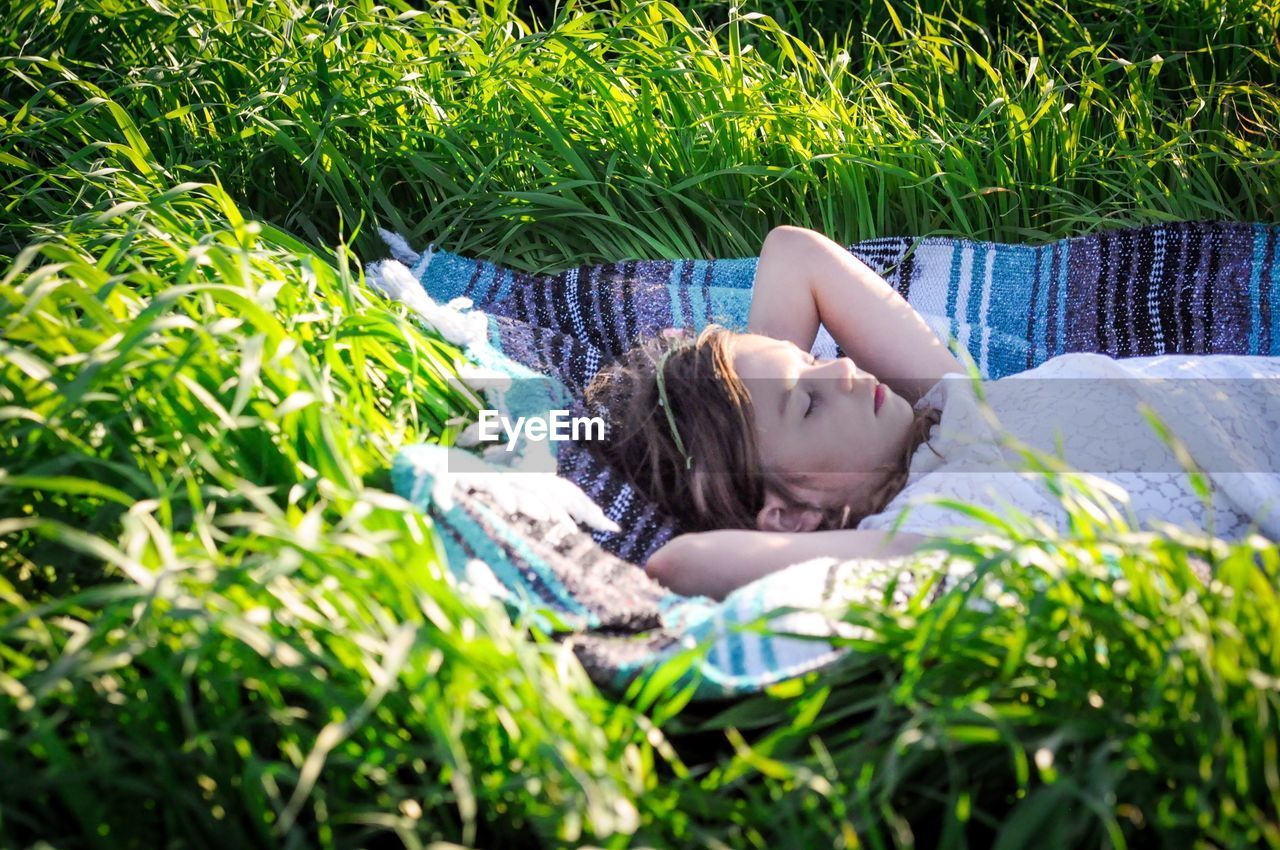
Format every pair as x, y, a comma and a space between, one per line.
1087, 410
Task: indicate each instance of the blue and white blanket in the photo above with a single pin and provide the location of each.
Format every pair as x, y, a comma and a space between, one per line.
536, 340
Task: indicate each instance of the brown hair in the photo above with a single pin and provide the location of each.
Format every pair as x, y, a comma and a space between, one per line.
726, 486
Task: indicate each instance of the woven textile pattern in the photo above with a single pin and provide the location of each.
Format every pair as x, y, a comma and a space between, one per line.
1191, 288
1187, 288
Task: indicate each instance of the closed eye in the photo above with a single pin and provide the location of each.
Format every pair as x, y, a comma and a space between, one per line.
813, 397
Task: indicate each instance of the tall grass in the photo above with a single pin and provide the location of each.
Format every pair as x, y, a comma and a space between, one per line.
637, 132
219, 628
212, 628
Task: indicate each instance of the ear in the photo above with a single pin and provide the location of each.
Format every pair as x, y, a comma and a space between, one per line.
780, 515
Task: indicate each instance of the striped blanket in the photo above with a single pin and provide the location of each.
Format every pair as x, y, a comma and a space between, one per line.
1195, 287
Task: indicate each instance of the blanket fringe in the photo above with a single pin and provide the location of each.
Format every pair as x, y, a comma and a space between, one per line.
394, 280
400, 247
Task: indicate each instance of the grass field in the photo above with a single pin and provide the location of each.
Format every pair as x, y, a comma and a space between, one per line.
218, 627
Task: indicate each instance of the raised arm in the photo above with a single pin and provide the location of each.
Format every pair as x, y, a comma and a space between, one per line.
804, 278
715, 563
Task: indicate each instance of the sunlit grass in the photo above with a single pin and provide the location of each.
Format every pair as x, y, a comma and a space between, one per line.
219, 627
637, 132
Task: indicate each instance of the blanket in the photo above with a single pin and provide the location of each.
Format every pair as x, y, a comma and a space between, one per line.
1189, 287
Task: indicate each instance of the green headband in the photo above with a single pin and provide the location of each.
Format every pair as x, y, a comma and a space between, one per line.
662, 402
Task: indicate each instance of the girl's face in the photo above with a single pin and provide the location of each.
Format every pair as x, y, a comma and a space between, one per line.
816, 420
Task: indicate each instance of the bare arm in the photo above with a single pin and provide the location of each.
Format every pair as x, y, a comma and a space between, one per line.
715, 563
804, 278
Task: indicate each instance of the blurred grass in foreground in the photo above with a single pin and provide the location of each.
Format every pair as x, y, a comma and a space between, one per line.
217, 626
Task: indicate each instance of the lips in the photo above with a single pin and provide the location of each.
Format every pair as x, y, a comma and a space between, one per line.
879, 396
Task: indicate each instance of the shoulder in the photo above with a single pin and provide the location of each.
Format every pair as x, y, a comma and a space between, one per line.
923, 509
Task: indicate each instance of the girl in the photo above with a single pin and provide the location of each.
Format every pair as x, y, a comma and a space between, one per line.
769, 456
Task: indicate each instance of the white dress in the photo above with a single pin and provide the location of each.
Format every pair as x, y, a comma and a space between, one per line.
1225, 409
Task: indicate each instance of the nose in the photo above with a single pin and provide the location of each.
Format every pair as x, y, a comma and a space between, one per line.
844, 370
